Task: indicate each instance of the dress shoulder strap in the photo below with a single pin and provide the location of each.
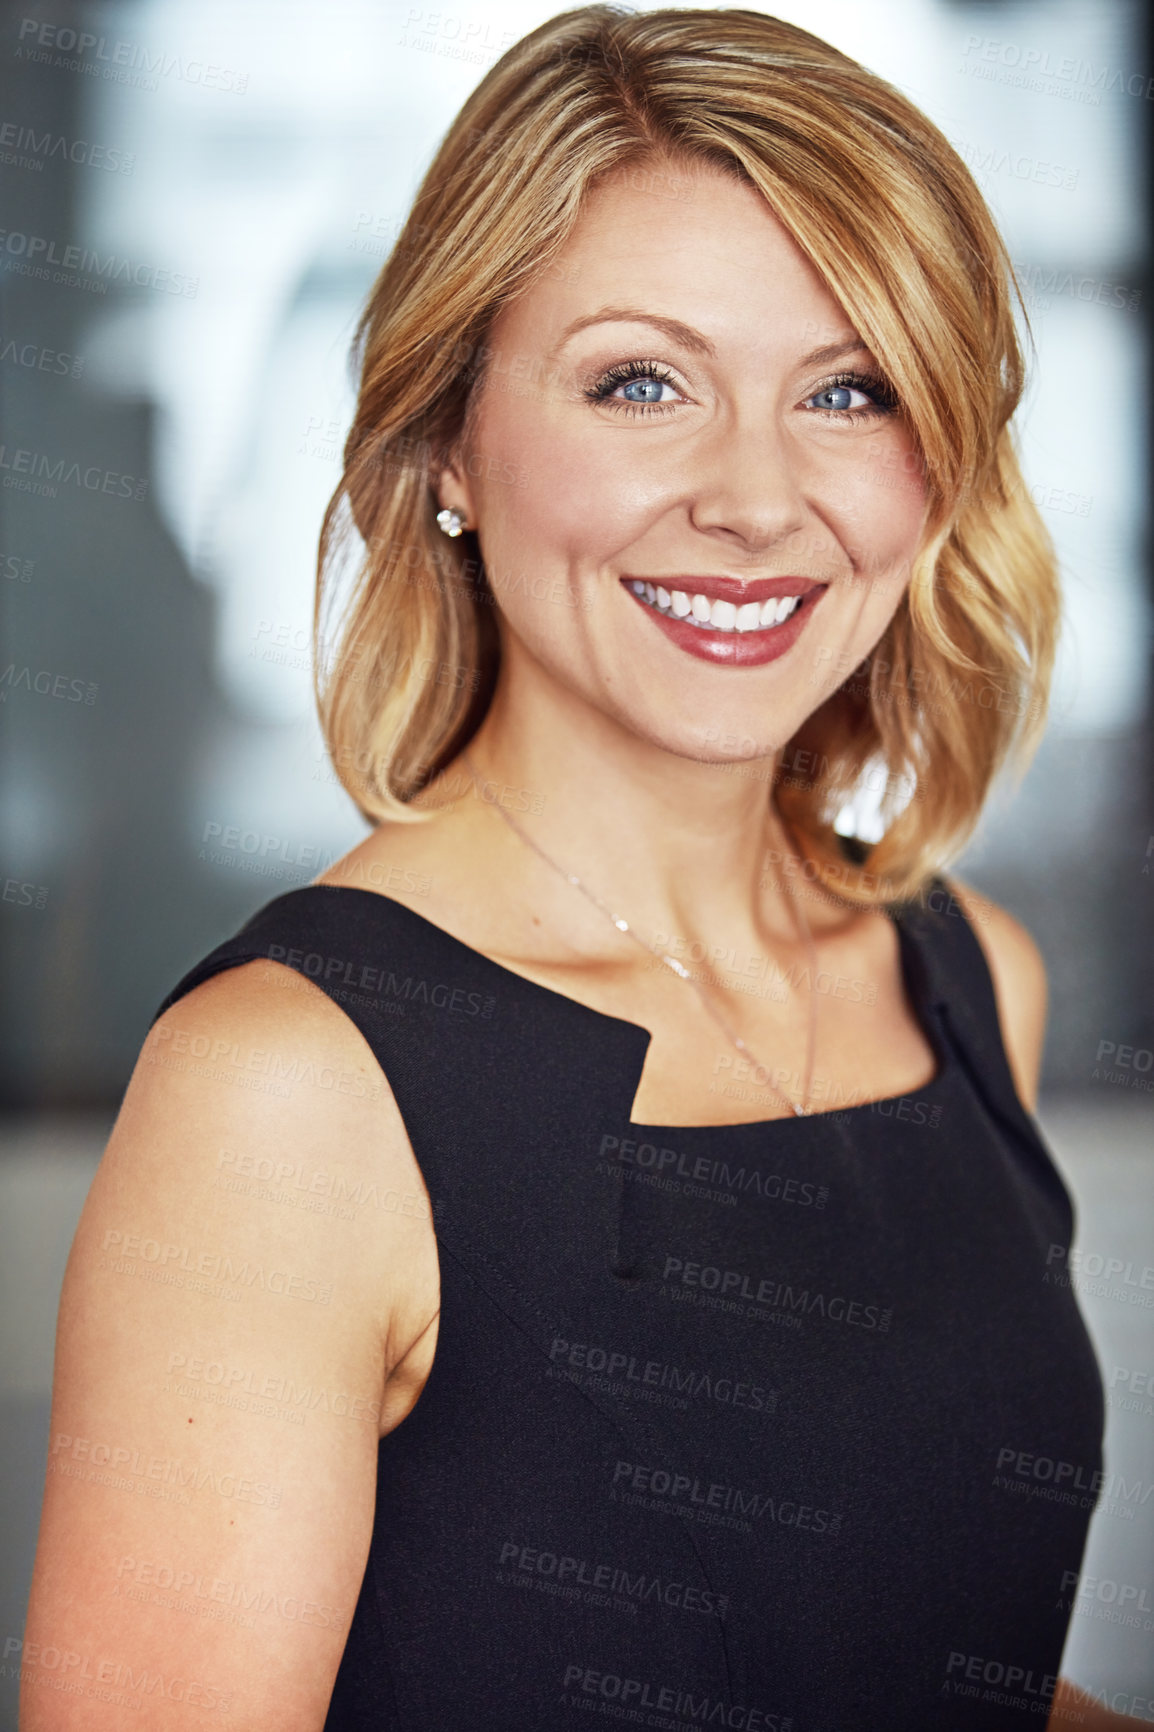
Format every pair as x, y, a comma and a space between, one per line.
468, 1047
251, 943
952, 979
410, 988
952, 975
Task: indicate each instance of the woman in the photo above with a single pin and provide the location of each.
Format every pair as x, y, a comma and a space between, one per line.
674, 1151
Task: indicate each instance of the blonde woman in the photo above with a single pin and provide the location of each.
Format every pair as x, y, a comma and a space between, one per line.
592, 1251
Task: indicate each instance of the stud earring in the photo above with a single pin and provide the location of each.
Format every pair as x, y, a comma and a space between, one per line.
451, 522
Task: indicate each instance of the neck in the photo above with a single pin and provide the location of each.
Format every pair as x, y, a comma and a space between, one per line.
676, 845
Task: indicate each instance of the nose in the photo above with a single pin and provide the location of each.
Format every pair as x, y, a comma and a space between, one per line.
747, 490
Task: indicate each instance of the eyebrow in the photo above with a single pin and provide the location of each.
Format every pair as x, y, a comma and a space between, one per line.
697, 344
835, 352
684, 335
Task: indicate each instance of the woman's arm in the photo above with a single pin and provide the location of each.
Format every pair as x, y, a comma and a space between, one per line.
226, 1329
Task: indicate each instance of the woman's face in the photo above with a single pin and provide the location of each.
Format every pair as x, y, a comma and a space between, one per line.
681, 404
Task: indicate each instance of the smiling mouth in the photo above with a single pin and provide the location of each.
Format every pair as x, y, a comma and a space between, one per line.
714, 614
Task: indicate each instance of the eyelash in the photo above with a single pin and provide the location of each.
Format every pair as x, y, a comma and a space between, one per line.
623, 374
886, 400
883, 393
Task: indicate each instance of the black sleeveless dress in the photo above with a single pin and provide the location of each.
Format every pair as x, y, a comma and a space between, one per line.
790, 1426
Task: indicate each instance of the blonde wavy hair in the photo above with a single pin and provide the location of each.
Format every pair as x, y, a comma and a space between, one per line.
890, 218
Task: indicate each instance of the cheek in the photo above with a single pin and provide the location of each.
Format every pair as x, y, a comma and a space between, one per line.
577, 496
877, 506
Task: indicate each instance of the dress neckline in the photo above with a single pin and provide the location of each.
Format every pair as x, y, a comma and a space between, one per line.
641, 1037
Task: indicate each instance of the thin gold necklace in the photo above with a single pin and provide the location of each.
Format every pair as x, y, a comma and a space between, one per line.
798, 1107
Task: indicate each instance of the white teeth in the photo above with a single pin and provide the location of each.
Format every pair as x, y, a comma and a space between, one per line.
778, 608
716, 615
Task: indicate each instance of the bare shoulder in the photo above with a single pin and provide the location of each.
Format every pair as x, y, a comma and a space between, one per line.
1019, 976
234, 1302
259, 1006
258, 1082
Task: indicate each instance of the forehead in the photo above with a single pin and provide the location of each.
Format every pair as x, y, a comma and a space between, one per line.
692, 244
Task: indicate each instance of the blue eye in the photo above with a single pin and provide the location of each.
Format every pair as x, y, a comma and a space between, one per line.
836, 397
637, 385
643, 390
852, 395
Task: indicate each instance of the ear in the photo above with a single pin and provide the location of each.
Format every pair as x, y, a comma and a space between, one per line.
453, 489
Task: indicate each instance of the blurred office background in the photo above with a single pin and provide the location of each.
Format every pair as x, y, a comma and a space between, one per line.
196, 199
